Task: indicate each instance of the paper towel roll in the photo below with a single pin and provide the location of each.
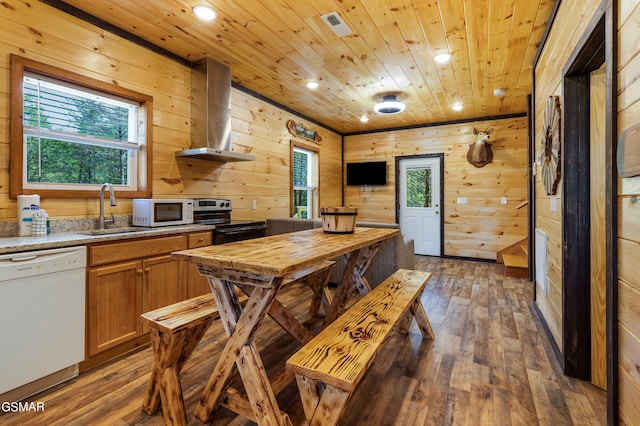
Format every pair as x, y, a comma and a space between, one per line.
27, 204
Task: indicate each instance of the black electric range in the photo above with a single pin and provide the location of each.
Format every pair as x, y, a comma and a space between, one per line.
217, 212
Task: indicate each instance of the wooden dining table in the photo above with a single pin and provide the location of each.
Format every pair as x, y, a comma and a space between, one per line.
258, 267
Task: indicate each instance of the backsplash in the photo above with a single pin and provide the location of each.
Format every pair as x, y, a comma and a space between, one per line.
67, 226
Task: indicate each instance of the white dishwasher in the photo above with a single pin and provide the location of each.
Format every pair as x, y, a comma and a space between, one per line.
42, 304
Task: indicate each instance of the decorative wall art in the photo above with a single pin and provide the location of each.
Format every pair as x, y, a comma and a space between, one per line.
480, 153
299, 130
551, 145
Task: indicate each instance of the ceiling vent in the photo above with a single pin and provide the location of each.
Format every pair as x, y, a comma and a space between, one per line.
335, 22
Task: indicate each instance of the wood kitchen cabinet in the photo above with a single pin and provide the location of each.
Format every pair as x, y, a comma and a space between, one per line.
114, 298
163, 283
125, 279
197, 284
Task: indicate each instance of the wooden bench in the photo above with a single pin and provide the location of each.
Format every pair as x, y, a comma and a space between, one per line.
176, 331
331, 365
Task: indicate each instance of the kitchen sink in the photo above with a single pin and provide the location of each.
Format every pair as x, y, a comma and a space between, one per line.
124, 230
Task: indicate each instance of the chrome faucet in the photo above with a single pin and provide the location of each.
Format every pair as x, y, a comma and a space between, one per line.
112, 202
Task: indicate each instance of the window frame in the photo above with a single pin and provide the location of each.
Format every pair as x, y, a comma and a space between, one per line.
315, 189
20, 65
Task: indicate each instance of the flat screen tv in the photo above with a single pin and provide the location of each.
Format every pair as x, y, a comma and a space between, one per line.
367, 173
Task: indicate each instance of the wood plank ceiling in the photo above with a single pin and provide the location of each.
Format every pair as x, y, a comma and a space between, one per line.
274, 47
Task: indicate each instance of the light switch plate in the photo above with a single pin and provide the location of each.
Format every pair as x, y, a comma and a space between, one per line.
554, 203
503, 200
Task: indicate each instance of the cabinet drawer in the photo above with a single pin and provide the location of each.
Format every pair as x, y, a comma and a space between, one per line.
135, 249
200, 239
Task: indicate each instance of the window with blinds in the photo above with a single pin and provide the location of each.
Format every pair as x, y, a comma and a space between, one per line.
77, 137
304, 182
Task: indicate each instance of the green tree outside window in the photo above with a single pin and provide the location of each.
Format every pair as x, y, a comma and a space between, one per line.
419, 188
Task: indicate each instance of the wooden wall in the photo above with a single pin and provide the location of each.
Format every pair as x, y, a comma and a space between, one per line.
570, 23
39, 32
573, 16
258, 129
629, 218
478, 229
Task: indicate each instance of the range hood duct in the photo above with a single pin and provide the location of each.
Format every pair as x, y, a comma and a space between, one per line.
211, 114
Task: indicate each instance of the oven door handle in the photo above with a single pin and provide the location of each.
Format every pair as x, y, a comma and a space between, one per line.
241, 230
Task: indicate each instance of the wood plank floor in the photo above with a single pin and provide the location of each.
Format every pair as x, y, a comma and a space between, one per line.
490, 364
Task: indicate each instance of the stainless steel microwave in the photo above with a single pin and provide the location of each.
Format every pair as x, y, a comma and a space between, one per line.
162, 212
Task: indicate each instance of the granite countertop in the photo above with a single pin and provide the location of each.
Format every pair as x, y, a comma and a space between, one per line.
21, 244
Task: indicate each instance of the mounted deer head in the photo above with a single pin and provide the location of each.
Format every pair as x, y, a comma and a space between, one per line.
480, 153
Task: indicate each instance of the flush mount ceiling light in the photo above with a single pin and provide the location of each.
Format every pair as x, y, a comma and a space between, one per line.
457, 106
499, 92
442, 58
364, 118
389, 105
204, 12
312, 84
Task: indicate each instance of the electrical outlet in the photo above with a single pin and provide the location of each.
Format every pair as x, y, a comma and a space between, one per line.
254, 205
503, 200
462, 200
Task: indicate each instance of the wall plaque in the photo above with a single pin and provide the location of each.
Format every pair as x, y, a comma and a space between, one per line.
301, 131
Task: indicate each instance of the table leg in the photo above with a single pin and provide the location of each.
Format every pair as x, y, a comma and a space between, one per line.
321, 294
240, 329
283, 317
360, 282
352, 280
344, 290
256, 383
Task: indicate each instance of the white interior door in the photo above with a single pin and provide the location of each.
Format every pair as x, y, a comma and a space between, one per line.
420, 203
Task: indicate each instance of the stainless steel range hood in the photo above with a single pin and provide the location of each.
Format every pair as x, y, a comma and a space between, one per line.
211, 114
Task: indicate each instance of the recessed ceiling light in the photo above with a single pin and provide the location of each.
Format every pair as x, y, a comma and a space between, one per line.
499, 92
204, 12
364, 118
312, 84
442, 58
457, 106
389, 105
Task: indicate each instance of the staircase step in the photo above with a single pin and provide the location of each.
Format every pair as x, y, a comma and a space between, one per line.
516, 266
515, 249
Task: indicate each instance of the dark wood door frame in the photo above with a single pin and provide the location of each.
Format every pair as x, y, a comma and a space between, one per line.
576, 264
597, 47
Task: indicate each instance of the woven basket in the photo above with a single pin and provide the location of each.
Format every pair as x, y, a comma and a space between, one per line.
338, 220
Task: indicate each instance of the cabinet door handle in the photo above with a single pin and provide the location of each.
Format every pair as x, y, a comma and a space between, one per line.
139, 271
147, 270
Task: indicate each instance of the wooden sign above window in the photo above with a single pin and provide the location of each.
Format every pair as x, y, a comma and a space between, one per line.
299, 130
